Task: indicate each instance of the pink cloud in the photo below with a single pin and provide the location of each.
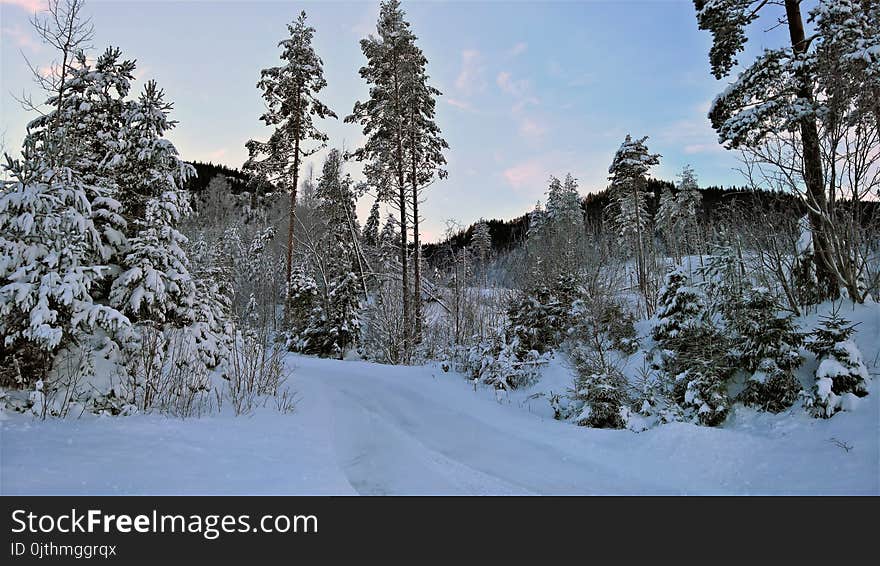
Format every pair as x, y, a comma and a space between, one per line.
460, 104
28, 5
217, 154
526, 175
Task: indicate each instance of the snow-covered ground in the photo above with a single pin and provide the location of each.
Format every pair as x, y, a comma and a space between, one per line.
375, 429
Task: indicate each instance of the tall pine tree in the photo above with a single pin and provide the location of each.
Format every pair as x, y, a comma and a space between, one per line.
628, 210
291, 94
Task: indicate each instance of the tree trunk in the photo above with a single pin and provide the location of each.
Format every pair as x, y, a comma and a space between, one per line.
417, 267
403, 245
812, 155
641, 260
297, 135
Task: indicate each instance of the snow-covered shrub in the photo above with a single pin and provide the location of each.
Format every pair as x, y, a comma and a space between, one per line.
383, 331
301, 296
841, 371
163, 372
654, 397
255, 372
619, 323
60, 392
765, 346
540, 317
605, 316
500, 364
599, 388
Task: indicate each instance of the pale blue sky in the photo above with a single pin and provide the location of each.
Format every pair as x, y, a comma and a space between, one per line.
530, 88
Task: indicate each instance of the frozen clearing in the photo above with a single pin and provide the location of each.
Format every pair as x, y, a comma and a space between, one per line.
372, 429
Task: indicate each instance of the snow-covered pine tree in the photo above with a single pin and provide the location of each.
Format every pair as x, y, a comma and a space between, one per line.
536, 321
424, 148
564, 212
792, 99
291, 93
302, 294
111, 147
803, 268
723, 278
628, 209
84, 131
385, 118
556, 233
481, 240
537, 221
212, 311
370, 236
665, 221
688, 208
766, 347
389, 247
841, 371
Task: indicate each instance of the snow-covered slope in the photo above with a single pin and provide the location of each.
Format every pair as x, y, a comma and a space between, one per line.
374, 429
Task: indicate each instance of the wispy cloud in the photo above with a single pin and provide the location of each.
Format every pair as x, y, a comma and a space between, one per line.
21, 38
531, 127
472, 77
460, 104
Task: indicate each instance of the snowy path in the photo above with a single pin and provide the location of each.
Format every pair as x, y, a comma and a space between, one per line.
412, 439
371, 429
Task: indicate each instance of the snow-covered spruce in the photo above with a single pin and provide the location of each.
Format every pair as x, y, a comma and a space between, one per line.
701, 385
481, 240
766, 347
332, 326
599, 387
599, 394
692, 353
113, 258
841, 374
